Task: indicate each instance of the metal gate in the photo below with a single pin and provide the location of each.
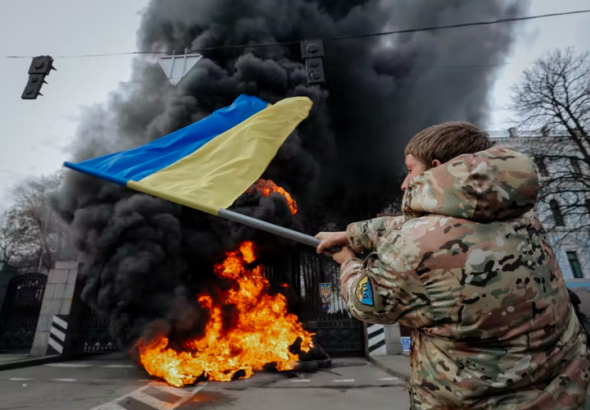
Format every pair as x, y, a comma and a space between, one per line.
336, 331
98, 338
20, 312
92, 333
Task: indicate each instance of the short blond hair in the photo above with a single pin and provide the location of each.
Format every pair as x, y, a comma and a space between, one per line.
447, 141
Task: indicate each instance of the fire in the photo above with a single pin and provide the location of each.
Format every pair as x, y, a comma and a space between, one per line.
267, 187
263, 331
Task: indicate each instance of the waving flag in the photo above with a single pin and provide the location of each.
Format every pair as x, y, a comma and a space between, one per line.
210, 163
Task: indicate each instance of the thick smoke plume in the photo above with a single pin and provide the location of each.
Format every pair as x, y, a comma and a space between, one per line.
144, 258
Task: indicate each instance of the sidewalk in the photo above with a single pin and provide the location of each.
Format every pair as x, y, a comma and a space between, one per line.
396, 365
15, 360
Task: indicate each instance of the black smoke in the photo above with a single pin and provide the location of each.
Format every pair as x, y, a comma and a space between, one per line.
145, 258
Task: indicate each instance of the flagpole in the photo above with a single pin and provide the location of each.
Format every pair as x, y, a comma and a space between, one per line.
271, 228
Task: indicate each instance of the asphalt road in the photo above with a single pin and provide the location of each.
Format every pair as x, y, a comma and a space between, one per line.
113, 383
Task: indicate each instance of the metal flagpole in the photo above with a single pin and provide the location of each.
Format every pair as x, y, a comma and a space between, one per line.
268, 227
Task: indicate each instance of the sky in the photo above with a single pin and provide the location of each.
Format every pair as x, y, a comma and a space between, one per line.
34, 135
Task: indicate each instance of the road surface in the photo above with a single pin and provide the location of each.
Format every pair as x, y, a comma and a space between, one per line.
113, 383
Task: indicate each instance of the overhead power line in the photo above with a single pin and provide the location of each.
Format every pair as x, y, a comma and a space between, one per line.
451, 26
336, 38
454, 67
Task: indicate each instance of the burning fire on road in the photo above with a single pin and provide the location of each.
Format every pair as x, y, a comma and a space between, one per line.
261, 331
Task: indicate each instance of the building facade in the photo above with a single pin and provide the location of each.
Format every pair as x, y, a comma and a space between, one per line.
564, 203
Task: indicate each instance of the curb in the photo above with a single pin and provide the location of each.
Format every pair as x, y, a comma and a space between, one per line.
403, 376
18, 364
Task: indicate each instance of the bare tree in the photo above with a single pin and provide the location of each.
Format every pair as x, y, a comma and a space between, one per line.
34, 221
13, 237
552, 100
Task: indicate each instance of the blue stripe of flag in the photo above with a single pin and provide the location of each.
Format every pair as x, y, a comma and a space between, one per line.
141, 162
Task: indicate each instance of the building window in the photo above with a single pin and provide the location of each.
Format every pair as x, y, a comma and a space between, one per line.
588, 205
556, 211
541, 166
576, 166
575, 265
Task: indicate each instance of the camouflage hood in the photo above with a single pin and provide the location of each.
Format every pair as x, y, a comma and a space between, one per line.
496, 184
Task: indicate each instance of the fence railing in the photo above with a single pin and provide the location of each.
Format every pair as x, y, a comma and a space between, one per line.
20, 312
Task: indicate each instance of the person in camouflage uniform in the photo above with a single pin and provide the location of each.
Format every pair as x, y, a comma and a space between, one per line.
470, 269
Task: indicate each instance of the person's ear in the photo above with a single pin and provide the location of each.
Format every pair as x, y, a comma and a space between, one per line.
436, 163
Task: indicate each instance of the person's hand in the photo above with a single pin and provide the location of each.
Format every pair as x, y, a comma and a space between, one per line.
344, 255
330, 240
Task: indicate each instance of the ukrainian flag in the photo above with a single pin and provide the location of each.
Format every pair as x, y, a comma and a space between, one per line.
210, 163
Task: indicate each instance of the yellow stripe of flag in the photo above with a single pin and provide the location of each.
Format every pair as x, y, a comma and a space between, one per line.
214, 176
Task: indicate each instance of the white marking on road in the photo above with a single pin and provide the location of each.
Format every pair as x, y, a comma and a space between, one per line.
389, 378
300, 380
150, 401
110, 406
20, 379
74, 365
175, 390
192, 393
139, 395
344, 381
63, 380
118, 366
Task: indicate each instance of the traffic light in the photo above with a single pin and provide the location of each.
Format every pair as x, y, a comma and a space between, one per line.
315, 71
40, 68
312, 52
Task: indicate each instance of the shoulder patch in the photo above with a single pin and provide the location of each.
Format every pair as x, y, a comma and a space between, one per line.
364, 292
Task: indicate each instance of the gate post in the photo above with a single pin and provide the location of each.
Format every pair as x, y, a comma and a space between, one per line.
53, 331
393, 343
383, 340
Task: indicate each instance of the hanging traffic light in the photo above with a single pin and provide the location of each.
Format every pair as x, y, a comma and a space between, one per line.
315, 71
40, 68
312, 52
33, 88
312, 49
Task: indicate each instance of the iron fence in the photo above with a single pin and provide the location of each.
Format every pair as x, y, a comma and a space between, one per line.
20, 312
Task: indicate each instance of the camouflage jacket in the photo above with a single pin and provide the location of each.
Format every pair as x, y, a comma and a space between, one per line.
470, 269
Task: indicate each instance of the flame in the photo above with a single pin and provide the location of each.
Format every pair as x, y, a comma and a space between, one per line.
267, 187
262, 334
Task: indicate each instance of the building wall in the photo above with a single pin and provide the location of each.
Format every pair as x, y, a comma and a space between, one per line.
563, 239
